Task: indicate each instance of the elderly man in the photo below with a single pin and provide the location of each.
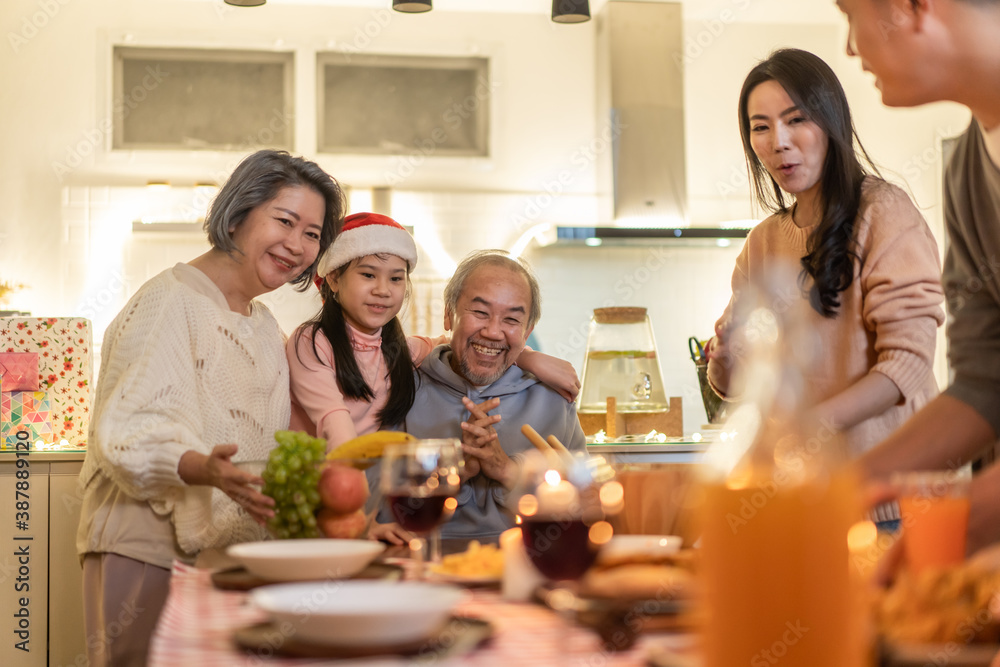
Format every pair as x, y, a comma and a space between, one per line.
472, 390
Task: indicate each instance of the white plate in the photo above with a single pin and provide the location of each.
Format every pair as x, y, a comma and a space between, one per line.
623, 546
359, 613
302, 560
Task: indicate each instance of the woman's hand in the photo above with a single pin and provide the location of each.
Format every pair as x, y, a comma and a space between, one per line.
217, 469
720, 356
718, 346
870, 396
392, 533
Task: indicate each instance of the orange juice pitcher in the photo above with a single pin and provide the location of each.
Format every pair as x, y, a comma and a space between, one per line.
778, 502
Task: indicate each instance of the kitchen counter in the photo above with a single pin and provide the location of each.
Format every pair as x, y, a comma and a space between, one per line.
46, 455
671, 451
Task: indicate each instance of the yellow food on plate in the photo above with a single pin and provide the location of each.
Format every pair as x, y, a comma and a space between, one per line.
954, 604
479, 561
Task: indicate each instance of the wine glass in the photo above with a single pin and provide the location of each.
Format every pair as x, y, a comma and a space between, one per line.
420, 480
561, 514
562, 502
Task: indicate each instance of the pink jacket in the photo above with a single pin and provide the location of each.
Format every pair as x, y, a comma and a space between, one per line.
318, 406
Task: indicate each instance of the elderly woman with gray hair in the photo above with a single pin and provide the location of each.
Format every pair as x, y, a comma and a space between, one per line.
193, 379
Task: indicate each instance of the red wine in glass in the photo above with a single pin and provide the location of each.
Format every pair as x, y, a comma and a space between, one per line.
559, 549
418, 514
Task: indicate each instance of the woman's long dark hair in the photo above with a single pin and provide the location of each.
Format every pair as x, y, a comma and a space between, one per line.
395, 352
817, 92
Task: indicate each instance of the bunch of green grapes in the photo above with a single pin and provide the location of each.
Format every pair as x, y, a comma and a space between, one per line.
292, 479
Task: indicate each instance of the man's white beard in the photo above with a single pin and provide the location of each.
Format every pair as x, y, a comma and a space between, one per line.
479, 379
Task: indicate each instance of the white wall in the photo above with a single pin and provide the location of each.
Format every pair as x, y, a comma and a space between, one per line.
69, 200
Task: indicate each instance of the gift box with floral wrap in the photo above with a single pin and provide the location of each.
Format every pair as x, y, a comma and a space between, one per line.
56, 392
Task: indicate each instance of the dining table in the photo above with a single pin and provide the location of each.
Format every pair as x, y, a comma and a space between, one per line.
200, 620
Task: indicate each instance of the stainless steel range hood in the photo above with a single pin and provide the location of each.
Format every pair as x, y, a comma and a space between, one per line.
640, 103
641, 180
647, 236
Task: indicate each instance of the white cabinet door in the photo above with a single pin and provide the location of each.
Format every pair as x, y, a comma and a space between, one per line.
67, 645
24, 561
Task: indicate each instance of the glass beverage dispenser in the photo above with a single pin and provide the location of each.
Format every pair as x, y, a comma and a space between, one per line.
621, 363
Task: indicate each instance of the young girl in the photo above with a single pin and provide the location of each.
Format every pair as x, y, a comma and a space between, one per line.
351, 367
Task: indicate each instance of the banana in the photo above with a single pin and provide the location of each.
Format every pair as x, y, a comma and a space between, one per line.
369, 446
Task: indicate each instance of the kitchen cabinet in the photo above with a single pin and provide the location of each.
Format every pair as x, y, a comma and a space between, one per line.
41, 597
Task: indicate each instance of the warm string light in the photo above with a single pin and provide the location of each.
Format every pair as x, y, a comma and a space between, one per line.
42, 445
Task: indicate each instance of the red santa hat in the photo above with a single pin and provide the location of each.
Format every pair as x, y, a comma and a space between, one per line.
367, 234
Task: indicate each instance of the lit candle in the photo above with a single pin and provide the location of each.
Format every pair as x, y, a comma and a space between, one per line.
520, 578
556, 496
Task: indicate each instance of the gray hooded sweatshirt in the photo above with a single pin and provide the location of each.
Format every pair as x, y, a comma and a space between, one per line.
438, 412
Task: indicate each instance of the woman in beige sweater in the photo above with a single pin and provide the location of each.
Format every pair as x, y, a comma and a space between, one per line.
193, 380
870, 273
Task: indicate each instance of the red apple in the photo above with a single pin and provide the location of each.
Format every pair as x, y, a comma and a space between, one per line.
343, 526
343, 489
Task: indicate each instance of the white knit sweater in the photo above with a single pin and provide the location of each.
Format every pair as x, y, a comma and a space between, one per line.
180, 371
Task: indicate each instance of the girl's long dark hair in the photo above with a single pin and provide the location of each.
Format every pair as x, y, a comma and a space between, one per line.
815, 89
395, 352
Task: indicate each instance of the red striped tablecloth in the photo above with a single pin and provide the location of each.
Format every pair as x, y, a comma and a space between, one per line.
197, 625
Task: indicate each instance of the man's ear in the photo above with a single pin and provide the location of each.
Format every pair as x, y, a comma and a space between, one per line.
447, 319
901, 15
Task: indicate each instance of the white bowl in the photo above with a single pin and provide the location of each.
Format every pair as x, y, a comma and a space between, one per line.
302, 560
624, 546
359, 613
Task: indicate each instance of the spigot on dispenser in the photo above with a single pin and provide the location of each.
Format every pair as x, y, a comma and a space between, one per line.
643, 389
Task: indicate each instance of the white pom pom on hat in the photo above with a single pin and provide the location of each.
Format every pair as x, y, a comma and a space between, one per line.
366, 234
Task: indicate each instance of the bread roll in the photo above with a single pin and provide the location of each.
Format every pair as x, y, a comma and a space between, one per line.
639, 581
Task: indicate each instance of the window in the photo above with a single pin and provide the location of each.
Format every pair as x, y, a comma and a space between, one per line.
377, 104
191, 99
